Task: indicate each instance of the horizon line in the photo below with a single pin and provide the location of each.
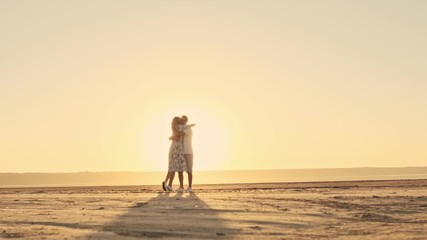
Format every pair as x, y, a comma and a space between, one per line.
227, 170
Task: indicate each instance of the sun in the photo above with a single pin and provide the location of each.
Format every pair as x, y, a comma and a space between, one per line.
210, 140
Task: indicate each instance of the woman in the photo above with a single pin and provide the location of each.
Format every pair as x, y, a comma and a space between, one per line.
176, 157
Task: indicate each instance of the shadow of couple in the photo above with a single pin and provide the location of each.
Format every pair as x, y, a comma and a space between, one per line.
168, 215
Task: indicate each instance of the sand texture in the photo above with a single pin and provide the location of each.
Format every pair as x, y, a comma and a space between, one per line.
322, 210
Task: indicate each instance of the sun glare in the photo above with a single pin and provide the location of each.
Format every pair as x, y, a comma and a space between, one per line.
210, 141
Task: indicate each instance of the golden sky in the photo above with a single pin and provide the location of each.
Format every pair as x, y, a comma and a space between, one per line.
94, 85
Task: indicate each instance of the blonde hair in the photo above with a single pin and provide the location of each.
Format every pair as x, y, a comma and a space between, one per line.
175, 134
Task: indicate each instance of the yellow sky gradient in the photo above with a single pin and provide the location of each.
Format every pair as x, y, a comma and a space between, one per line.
94, 85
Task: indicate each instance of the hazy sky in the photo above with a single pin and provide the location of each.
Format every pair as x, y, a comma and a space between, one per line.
93, 85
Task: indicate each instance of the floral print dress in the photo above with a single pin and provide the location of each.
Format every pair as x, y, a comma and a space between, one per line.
176, 155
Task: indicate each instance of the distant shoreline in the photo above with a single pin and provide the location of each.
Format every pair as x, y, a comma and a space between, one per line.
229, 170
233, 186
211, 177
239, 186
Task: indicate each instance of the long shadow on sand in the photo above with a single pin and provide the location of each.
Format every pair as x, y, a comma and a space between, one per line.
168, 215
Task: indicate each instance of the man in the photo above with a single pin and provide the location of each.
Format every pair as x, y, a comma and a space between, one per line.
188, 150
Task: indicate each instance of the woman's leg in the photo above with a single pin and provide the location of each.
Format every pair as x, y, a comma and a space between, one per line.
165, 182
167, 177
171, 177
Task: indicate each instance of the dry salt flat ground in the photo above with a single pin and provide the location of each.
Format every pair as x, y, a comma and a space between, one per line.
319, 210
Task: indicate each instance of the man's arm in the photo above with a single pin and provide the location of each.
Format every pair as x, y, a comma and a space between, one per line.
188, 128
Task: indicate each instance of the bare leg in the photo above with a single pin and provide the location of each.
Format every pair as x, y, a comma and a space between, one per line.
171, 177
189, 162
181, 179
167, 177
190, 180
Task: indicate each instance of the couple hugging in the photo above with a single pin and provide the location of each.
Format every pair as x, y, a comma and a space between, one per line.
180, 154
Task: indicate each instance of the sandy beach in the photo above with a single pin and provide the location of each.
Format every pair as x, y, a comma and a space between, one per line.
319, 210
